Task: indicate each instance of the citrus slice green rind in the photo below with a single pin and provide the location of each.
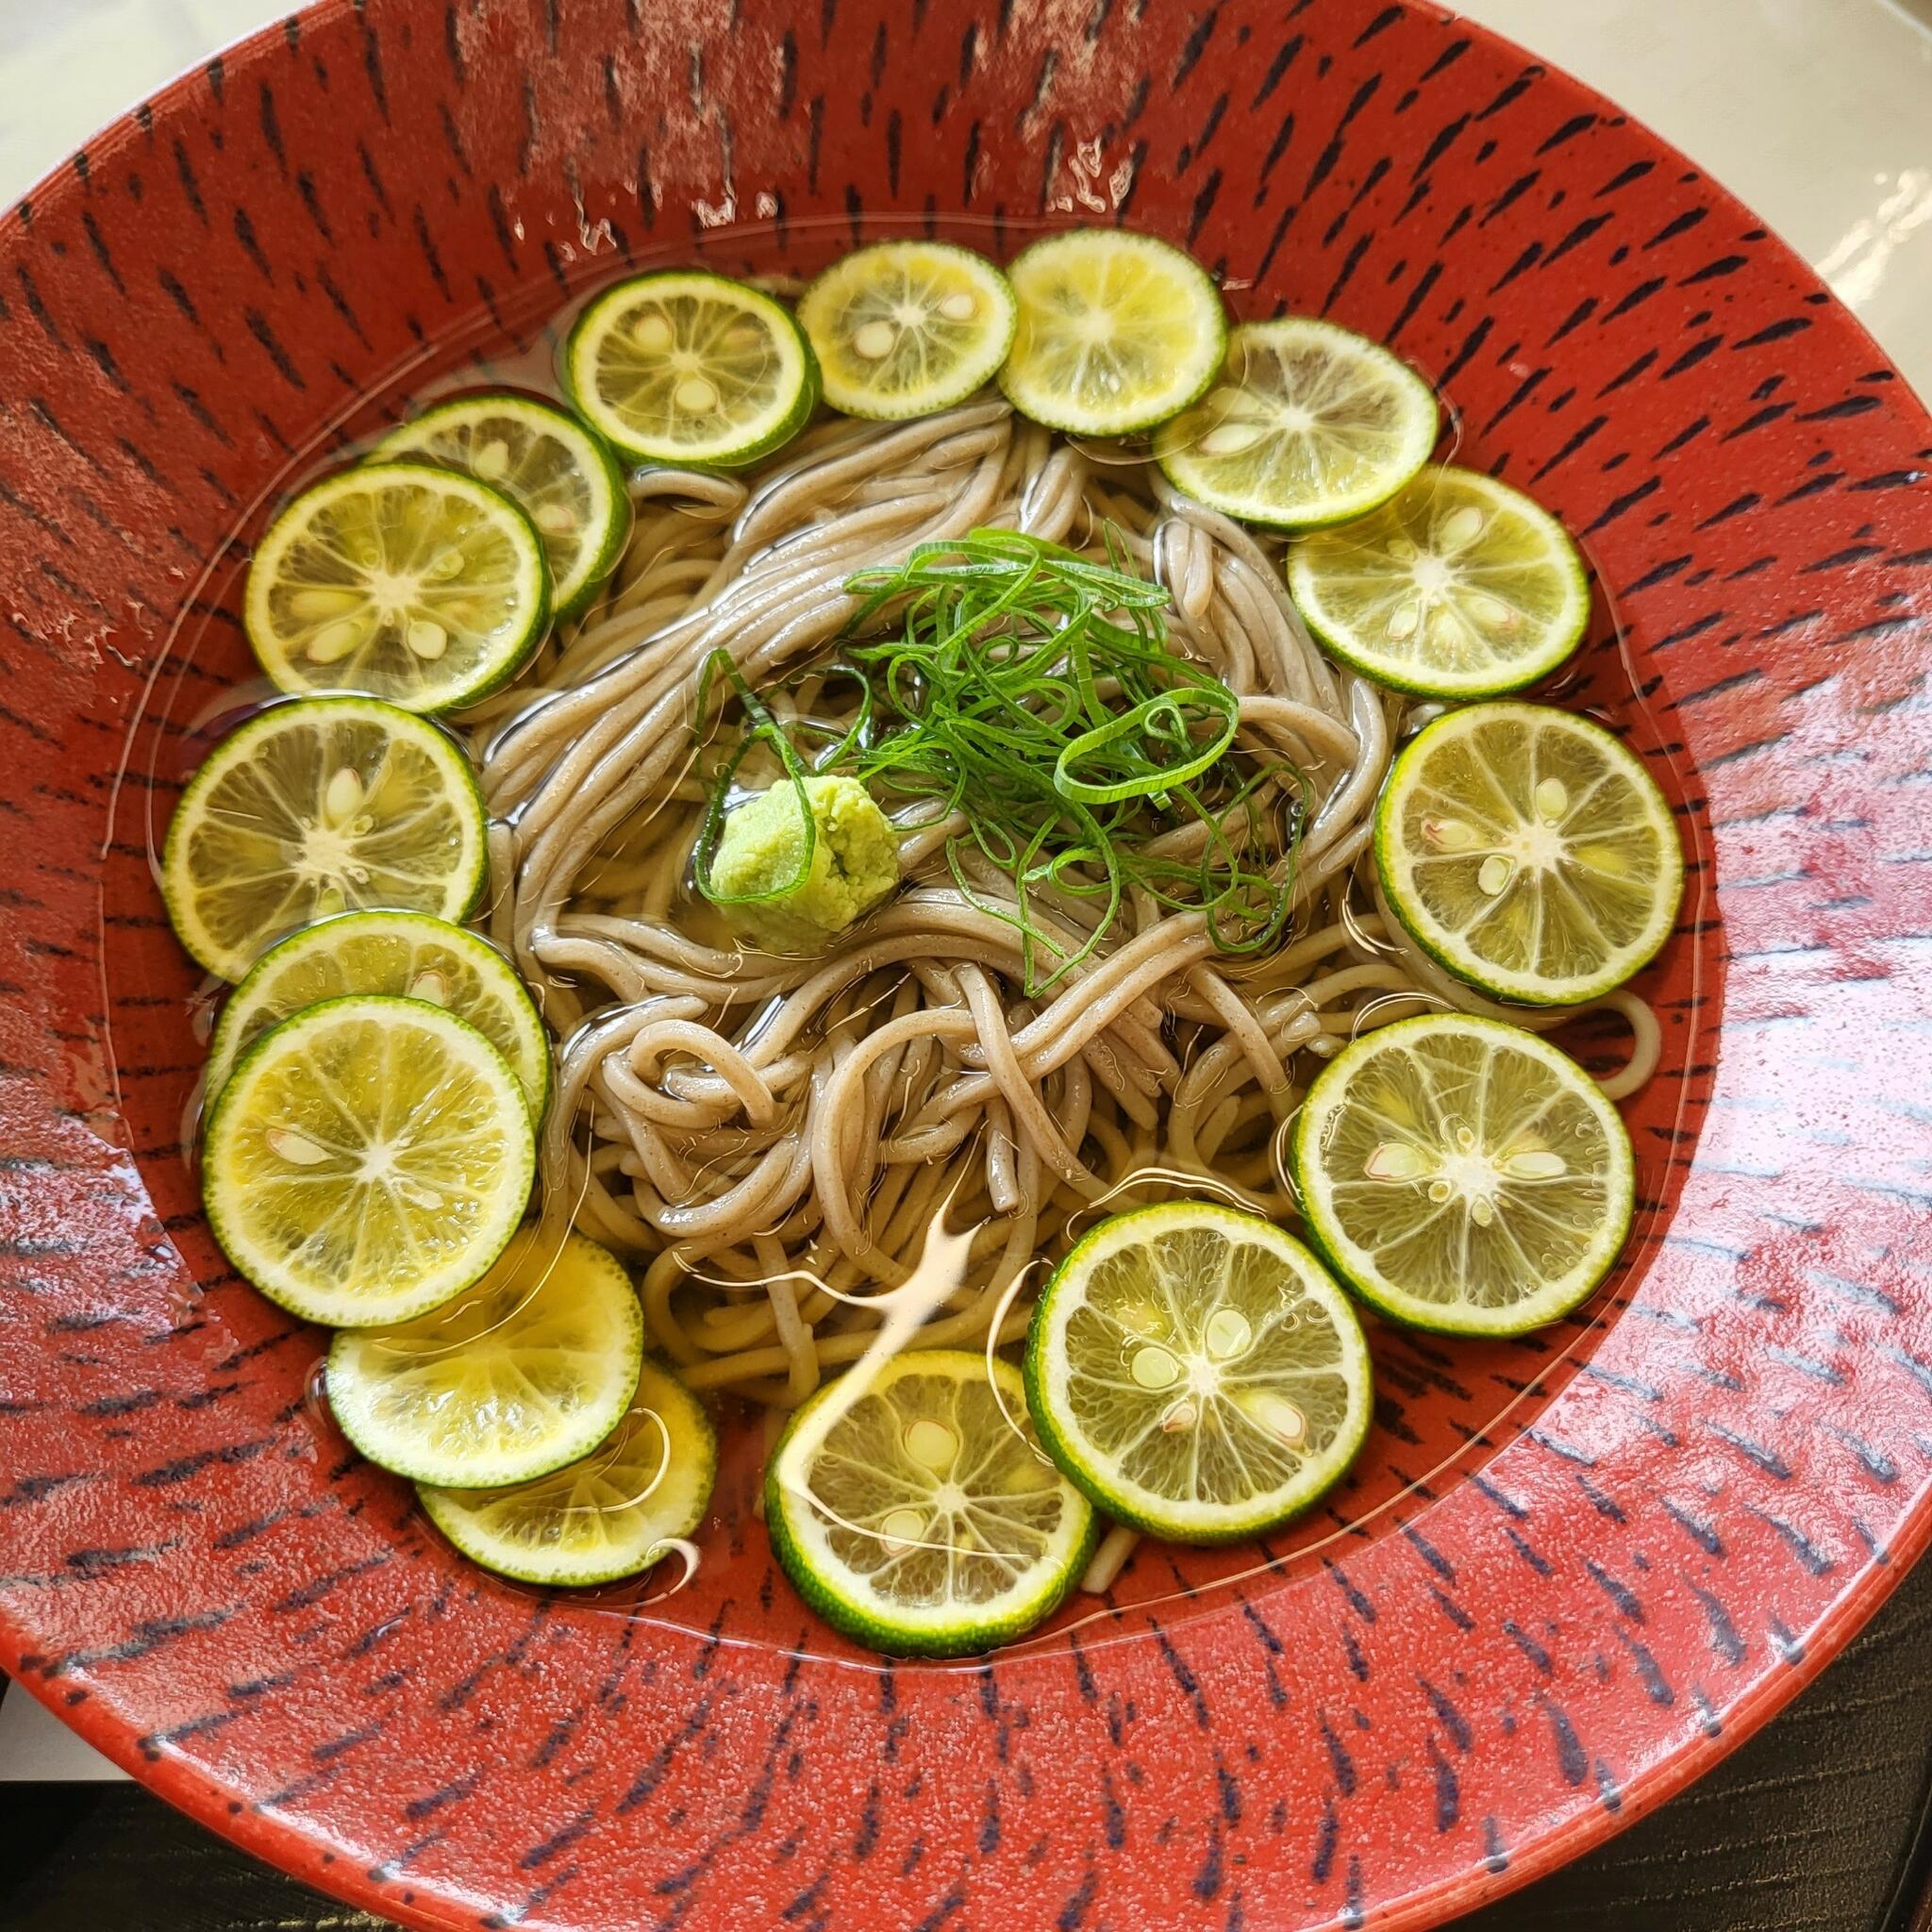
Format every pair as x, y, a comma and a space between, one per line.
525, 1371
1458, 587
609, 1515
1307, 425
905, 328
407, 955
1463, 1175
316, 807
917, 1513
682, 366
367, 1160
560, 474
1116, 332
403, 581
1528, 852
1197, 1372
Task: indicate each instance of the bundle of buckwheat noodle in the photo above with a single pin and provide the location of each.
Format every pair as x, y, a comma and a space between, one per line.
772, 1134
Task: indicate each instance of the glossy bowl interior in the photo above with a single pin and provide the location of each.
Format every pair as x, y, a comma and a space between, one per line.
1568, 1570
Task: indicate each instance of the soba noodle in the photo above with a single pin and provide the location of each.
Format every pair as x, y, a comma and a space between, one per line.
775, 1133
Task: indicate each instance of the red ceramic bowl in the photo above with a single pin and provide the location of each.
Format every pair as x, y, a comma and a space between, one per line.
1570, 1573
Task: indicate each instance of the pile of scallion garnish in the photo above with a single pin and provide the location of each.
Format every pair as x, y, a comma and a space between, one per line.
1034, 695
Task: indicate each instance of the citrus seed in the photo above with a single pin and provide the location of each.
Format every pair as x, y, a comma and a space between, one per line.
1154, 1368
931, 1444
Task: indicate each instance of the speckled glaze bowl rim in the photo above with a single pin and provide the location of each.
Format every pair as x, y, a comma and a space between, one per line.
293, 1847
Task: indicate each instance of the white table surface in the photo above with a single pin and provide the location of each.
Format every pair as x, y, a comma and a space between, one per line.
1817, 112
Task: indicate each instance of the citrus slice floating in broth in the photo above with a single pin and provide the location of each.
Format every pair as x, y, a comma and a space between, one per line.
916, 1512
1116, 332
1197, 1372
904, 329
367, 1160
1307, 425
1456, 587
408, 955
610, 1514
560, 476
401, 580
527, 1371
1526, 850
1463, 1175
326, 806
687, 367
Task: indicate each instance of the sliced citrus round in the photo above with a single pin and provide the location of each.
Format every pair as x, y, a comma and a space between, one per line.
401, 580
914, 1510
904, 329
408, 954
1463, 1175
1307, 425
541, 457
367, 1160
682, 366
527, 1371
1197, 1372
614, 1512
1116, 332
317, 808
1528, 852
1458, 587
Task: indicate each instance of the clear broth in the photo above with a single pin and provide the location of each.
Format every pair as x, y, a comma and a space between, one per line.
1443, 1408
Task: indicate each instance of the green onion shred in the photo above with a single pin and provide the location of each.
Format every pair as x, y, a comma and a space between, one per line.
1033, 692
